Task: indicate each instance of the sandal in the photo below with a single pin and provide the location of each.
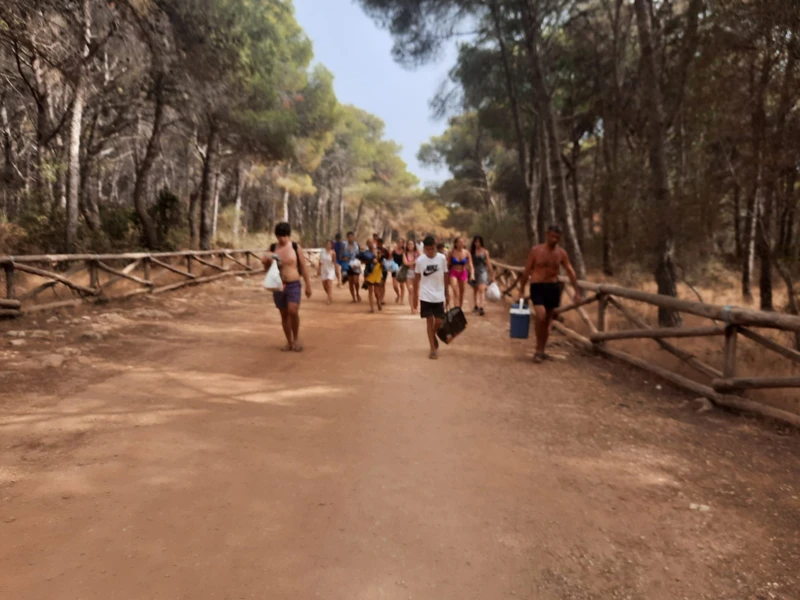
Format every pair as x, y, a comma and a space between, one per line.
433, 355
298, 347
287, 348
538, 358
481, 312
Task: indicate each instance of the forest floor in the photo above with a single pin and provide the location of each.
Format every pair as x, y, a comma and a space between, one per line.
166, 448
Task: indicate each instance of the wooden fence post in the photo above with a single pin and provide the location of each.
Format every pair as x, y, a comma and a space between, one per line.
222, 259
10, 292
146, 266
602, 303
247, 259
189, 264
729, 366
94, 279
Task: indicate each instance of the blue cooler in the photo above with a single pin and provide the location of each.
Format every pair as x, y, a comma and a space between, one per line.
520, 320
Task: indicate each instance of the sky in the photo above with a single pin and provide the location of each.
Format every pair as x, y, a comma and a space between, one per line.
358, 53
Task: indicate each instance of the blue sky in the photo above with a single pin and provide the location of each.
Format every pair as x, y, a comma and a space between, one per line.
358, 53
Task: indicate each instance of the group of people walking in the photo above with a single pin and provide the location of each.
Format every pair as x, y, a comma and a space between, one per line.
368, 267
428, 274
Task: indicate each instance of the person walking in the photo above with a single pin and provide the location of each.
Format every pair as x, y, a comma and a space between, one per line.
289, 255
542, 268
350, 258
431, 292
459, 261
409, 263
484, 273
397, 259
383, 254
326, 270
341, 271
373, 274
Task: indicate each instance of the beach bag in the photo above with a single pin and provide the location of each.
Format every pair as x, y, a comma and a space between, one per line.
390, 265
376, 276
493, 293
272, 280
402, 274
455, 322
355, 266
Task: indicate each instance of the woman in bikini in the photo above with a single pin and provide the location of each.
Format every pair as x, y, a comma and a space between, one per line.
461, 270
326, 270
484, 273
410, 263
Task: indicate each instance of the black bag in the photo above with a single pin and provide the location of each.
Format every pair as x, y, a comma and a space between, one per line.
454, 323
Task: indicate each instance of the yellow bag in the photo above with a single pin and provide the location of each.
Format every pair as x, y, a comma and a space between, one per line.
376, 276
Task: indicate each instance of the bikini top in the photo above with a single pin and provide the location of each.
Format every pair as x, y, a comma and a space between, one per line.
456, 261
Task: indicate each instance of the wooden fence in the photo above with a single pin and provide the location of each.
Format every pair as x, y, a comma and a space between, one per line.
91, 277
726, 322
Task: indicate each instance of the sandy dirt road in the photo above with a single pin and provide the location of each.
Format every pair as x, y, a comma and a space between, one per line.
182, 456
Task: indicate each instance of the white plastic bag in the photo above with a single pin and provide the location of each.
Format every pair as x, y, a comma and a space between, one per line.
272, 280
493, 293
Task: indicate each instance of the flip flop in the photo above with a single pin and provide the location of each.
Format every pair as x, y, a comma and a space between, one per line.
298, 347
433, 355
287, 348
538, 358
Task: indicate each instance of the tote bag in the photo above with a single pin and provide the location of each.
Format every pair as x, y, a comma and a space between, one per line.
272, 280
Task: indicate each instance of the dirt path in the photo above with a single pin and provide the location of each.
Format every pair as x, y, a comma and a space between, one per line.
184, 456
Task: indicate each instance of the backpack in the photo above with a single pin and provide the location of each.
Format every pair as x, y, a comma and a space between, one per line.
301, 267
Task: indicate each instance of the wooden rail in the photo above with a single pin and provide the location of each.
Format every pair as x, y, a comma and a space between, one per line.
90, 277
729, 322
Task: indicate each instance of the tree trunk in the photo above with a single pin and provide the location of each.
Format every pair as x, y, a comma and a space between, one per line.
737, 225
218, 183
358, 217
547, 180
42, 97
285, 206
341, 208
75, 129
576, 196
529, 211
754, 201
194, 219
547, 115
237, 211
7, 177
765, 252
206, 185
665, 243
86, 200
146, 165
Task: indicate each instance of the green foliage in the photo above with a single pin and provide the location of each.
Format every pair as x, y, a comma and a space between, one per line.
504, 236
168, 215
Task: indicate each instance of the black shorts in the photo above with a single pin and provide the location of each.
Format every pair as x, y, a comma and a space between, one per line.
431, 309
546, 294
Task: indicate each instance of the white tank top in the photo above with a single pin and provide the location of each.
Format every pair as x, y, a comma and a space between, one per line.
325, 258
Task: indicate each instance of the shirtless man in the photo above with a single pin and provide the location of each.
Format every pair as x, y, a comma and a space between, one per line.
288, 301
544, 262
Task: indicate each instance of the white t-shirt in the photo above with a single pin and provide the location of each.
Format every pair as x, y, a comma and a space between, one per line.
433, 272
